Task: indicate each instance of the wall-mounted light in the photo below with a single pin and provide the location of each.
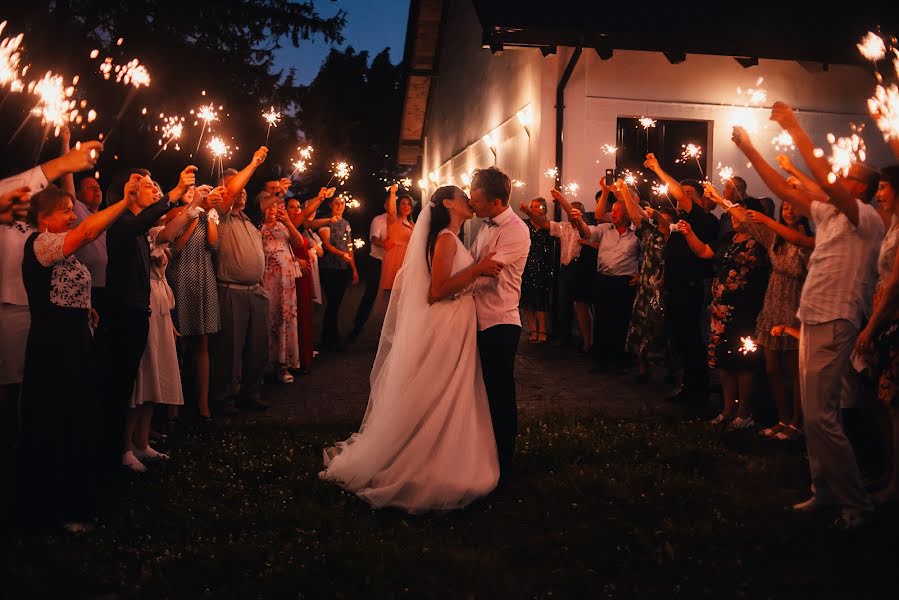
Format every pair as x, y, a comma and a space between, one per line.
466, 179
422, 184
432, 177
526, 117
492, 141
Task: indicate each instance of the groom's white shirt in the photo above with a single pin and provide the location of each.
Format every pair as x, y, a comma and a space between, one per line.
496, 301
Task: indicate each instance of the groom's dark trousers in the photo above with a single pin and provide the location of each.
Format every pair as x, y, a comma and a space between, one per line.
498, 346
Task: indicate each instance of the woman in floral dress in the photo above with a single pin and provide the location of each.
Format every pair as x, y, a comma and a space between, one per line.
738, 292
279, 280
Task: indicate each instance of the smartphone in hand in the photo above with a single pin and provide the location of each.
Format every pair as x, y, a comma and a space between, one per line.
610, 176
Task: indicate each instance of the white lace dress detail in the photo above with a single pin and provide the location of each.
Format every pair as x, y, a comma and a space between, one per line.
70, 281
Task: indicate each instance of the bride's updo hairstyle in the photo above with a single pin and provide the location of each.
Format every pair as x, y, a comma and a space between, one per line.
440, 216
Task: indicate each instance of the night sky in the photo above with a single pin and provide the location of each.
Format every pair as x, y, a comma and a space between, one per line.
371, 25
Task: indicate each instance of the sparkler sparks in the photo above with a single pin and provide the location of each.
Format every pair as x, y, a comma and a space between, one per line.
272, 118
691, 152
406, 183
349, 201
552, 173
884, 107
54, 107
872, 47
660, 189
306, 153
754, 96
299, 166
646, 122
171, 129
9, 61
609, 149
517, 183
844, 152
747, 345
571, 189
206, 114
725, 172
631, 178
783, 141
341, 172
218, 147
358, 243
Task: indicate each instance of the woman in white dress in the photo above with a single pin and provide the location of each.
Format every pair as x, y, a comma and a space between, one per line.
426, 441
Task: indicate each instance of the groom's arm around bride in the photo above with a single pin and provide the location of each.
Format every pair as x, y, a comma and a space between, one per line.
499, 324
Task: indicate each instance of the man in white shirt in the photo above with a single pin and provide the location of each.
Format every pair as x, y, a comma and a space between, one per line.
89, 197
617, 268
835, 299
499, 323
379, 245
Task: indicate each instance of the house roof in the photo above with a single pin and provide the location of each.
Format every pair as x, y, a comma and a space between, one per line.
753, 29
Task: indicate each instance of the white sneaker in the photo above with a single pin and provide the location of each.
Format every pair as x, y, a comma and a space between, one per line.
150, 454
131, 461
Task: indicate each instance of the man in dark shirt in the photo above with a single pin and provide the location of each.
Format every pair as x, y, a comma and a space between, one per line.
128, 300
683, 285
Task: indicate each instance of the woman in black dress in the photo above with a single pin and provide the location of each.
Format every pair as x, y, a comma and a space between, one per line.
537, 279
58, 403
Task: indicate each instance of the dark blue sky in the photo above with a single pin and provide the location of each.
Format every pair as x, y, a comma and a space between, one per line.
371, 25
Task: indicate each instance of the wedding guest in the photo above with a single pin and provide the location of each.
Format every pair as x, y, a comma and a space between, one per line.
683, 286
193, 276
15, 320
380, 244
240, 350
316, 252
647, 338
789, 243
280, 239
337, 268
536, 281
879, 340
88, 199
303, 259
617, 269
399, 230
835, 297
58, 410
128, 299
569, 235
738, 293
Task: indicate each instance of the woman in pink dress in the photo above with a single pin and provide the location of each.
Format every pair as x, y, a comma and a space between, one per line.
279, 237
399, 231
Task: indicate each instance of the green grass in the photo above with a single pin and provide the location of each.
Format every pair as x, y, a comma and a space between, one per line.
595, 508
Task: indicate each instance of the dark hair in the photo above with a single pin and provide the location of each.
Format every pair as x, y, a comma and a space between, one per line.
116, 190
494, 182
440, 217
542, 202
740, 184
891, 175
45, 202
695, 185
768, 205
803, 223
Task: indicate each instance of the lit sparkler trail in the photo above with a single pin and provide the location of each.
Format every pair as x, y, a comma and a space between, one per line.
272, 118
171, 128
358, 243
131, 73
872, 47
783, 141
341, 172
660, 190
884, 107
747, 345
406, 183
754, 96
219, 149
609, 149
631, 178
552, 173
9, 62
306, 153
206, 114
299, 166
844, 152
691, 151
517, 183
646, 122
571, 189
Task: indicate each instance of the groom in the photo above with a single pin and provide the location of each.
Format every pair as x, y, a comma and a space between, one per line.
499, 324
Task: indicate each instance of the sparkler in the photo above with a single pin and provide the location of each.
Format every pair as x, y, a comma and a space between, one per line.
872, 47
884, 107
219, 149
754, 96
272, 118
691, 151
844, 152
9, 62
131, 73
206, 114
358, 243
726, 174
660, 190
571, 189
517, 183
609, 149
747, 345
299, 166
306, 153
406, 183
552, 173
340, 171
647, 123
172, 128
631, 178
783, 141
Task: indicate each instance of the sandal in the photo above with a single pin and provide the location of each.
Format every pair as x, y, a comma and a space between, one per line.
541, 337
285, 377
770, 432
532, 337
788, 433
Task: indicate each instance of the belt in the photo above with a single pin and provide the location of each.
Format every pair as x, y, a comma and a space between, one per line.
238, 286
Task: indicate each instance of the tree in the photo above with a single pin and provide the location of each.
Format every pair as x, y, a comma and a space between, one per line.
225, 48
352, 111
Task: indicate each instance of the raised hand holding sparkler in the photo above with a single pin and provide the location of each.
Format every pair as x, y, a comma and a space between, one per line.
340, 171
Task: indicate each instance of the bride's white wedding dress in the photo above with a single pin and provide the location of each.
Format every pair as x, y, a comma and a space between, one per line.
426, 441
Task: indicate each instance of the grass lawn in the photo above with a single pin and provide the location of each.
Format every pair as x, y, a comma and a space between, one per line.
596, 508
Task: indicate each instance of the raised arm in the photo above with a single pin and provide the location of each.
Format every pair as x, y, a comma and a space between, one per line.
312, 204
674, 186
664, 223
793, 236
67, 181
14, 205
239, 181
839, 197
566, 206
697, 246
623, 193
602, 207
537, 219
774, 180
82, 158
443, 283
177, 224
804, 180
391, 204
92, 226
293, 235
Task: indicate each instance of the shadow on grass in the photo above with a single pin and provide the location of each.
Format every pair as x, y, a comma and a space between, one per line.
596, 508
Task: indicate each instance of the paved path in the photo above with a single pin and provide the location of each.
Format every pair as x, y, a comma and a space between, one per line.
549, 380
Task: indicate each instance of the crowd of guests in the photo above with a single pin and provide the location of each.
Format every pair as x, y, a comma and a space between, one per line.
154, 298
801, 307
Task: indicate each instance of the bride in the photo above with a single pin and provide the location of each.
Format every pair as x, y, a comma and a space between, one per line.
426, 440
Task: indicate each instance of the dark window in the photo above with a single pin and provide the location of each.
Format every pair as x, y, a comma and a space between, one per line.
666, 141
